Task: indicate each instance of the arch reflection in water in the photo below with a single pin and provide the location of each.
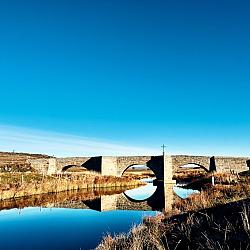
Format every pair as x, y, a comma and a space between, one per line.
142, 193
160, 200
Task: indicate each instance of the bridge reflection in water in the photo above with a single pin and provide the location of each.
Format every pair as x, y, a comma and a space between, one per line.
100, 200
161, 200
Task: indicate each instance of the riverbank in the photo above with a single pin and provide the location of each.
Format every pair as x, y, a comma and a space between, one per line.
63, 199
223, 227
15, 185
217, 218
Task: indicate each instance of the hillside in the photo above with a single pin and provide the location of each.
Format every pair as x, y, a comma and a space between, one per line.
17, 162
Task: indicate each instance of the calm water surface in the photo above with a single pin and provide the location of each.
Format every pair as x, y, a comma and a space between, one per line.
72, 221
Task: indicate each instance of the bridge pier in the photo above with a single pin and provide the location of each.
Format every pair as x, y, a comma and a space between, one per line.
52, 166
169, 198
168, 169
109, 166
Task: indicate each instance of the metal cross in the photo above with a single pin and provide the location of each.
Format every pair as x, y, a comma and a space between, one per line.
163, 148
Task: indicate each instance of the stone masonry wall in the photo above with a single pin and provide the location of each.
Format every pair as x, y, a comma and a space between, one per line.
231, 164
63, 163
52, 169
163, 169
181, 160
222, 164
123, 162
168, 169
109, 165
40, 165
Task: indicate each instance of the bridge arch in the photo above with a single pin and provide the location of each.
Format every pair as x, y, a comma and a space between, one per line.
66, 168
154, 163
179, 161
192, 166
137, 165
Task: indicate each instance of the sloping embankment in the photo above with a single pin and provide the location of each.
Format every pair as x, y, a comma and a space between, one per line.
222, 227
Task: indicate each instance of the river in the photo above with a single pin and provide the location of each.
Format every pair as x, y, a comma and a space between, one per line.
76, 220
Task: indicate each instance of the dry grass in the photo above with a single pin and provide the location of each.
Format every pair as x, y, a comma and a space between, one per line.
217, 218
224, 227
17, 162
200, 175
212, 196
139, 174
187, 175
13, 185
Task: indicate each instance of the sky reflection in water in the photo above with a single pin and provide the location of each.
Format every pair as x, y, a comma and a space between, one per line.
62, 228
67, 228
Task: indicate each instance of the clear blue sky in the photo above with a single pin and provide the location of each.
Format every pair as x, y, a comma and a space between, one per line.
137, 73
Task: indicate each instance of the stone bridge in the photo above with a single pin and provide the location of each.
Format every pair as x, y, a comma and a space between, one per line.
163, 166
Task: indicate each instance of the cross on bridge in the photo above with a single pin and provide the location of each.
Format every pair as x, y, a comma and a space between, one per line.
163, 149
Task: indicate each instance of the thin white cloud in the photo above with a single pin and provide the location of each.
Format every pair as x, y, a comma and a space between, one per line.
51, 143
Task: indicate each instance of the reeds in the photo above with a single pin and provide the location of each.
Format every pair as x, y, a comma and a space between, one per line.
220, 228
187, 175
217, 218
13, 185
139, 174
